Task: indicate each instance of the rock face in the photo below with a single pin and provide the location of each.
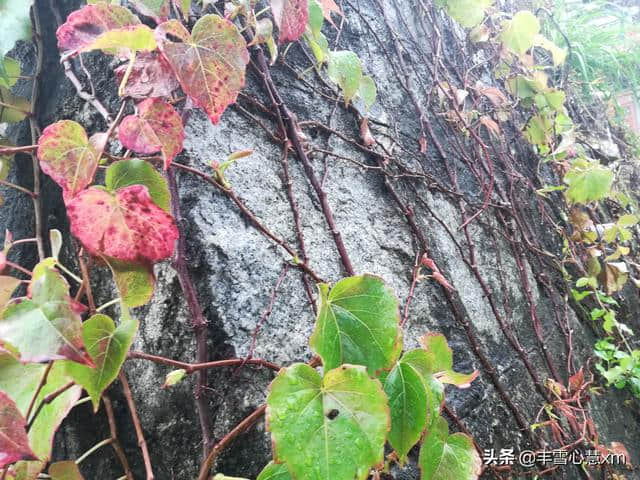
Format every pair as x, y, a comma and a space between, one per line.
235, 267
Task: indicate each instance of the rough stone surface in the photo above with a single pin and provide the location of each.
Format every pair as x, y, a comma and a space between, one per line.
235, 268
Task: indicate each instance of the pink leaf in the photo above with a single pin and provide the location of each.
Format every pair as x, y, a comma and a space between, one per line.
85, 26
14, 443
291, 18
125, 225
151, 77
67, 156
156, 127
210, 63
329, 6
158, 11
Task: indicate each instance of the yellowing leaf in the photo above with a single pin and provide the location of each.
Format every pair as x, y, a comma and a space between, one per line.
519, 33
558, 54
441, 361
174, 377
345, 69
291, 18
134, 282
67, 156
467, 13
210, 62
66, 470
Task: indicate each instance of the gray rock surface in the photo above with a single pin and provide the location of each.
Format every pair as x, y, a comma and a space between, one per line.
235, 267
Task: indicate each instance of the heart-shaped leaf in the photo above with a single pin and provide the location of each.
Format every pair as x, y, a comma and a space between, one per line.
448, 457
210, 62
47, 325
20, 382
588, 181
67, 470
291, 18
135, 282
67, 156
327, 428
14, 443
275, 471
156, 127
519, 33
156, 9
150, 76
125, 225
83, 27
468, 13
357, 323
345, 69
415, 397
108, 346
440, 357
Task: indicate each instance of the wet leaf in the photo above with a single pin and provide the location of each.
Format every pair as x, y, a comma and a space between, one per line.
20, 381
519, 33
66, 470
67, 156
415, 397
151, 76
158, 10
45, 326
210, 62
588, 181
290, 17
441, 361
156, 127
85, 26
448, 457
345, 70
15, 23
14, 443
357, 323
125, 225
135, 282
108, 346
327, 428
275, 471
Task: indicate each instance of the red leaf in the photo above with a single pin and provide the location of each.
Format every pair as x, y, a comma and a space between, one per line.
84, 26
14, 443
156, 127
67, 156
329, 6
210, 63
151, 77
291, 18
126, 225
159, 12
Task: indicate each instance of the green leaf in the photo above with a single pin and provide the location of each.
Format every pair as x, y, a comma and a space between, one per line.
319, 46
108, 345
357, 323
588, 181
553, 100
13, 108
368, 91
133, 38
46, 326
467, 13
539, 130
327, 428
316, 18
345, 70
520, 32
158, 10
174, 377
415, 397
9, 72
558, 54
20, 382
8, 285
66, 470
15, 23
627, 220
185, 7
448, 457
441, 361
135, 282
139, 172
275, 471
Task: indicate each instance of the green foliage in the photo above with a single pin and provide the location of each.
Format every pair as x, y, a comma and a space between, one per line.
468, 13
358, 324
332, 427
274, 471
621, 369
135, 171
66, 470
108, 346
519, 33
588, 181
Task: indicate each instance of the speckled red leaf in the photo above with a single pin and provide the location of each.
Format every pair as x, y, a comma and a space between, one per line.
291, 17
14, 443
125, 225
84, 26
67, 156
210, 62
150, 77
157, 127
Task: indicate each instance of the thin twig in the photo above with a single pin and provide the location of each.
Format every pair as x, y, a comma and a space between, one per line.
197, 367
108, 408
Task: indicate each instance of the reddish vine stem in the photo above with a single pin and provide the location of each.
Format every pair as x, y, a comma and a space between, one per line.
142, 443
115, 443
228, 438
86, 282
292, 130
41, 384
198, 322
197, 367
47, 400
